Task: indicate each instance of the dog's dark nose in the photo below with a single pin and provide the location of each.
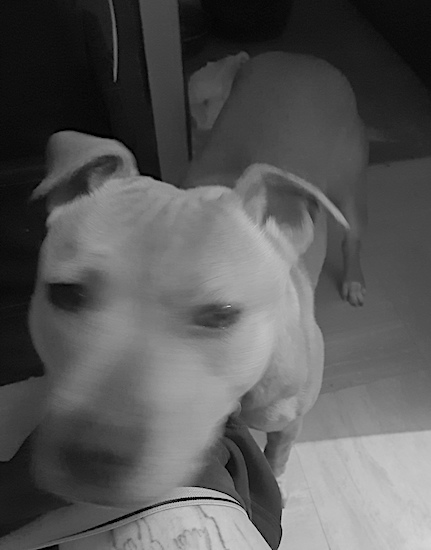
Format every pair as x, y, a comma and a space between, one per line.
94, 466
103, 459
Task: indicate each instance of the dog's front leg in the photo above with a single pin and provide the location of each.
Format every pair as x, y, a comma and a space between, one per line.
277, 451
279, 445
353, 285
355, 210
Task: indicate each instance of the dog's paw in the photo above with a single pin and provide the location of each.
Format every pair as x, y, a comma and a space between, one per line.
279, 472
283, 492
278, 467
353, 292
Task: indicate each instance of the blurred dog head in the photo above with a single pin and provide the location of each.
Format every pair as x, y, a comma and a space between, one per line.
155, 310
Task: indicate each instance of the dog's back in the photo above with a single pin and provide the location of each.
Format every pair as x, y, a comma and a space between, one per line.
295, 112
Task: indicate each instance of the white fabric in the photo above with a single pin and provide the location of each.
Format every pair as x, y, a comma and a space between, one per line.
80, 521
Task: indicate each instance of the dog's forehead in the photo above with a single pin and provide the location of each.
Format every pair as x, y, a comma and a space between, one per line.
173, 242
99, 220
123, 208
215, 253
140, 216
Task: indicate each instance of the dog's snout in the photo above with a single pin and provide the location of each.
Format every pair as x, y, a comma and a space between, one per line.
97, 455
94, 466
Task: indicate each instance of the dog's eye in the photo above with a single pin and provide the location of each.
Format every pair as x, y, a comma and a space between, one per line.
215, 316
67, 296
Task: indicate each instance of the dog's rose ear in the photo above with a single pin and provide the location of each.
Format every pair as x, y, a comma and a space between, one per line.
79, 163
210, 86
267, 192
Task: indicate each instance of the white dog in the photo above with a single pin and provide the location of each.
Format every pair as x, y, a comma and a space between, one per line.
157, 309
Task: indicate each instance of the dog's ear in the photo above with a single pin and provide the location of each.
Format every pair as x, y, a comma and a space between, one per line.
210, 86
272, 195
78, 163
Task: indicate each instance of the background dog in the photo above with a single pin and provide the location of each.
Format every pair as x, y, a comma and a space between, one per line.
295, 112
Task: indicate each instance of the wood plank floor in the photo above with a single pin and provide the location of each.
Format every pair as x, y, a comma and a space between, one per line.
359, 477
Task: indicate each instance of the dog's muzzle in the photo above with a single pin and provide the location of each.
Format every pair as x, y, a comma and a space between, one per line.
96, 455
